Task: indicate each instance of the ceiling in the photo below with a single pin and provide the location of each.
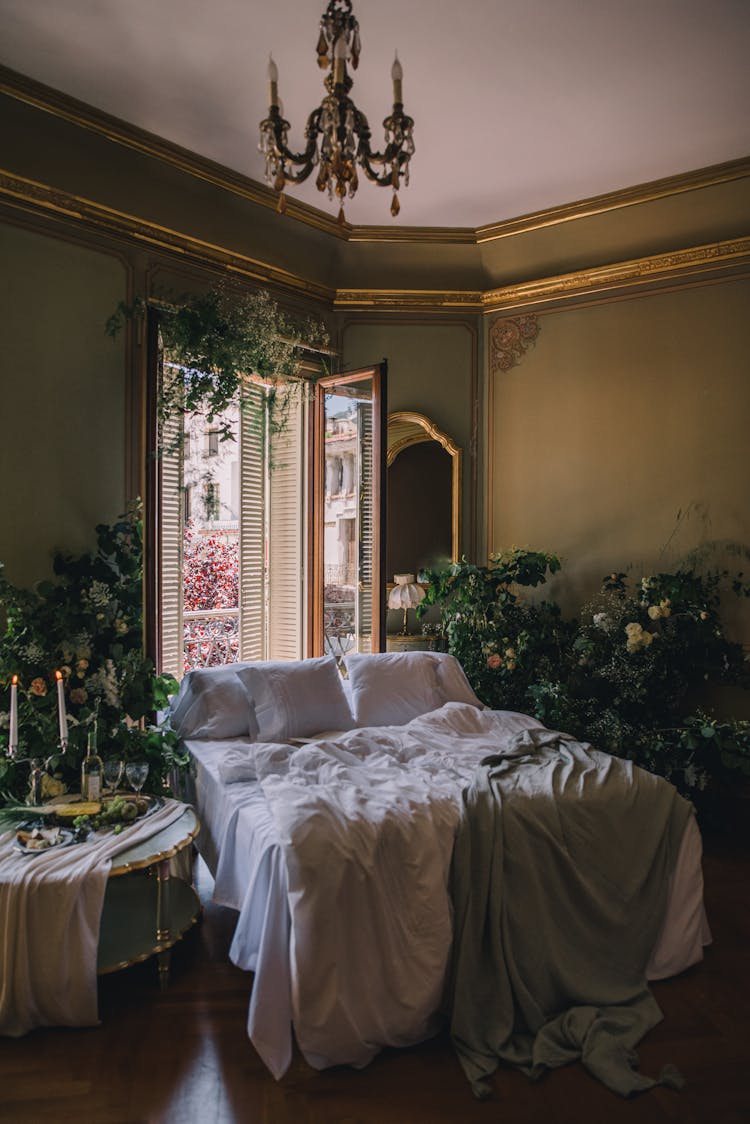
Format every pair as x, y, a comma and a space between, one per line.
519, 105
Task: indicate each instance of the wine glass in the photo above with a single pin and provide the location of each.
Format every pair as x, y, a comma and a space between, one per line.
136, 772
113, 770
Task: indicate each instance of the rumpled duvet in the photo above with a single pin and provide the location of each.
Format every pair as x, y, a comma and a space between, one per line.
559, 885
367, 823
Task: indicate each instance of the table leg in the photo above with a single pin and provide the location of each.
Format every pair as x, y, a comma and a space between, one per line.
162, 920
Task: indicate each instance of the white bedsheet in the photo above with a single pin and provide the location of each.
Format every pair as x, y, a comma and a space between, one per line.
337, 861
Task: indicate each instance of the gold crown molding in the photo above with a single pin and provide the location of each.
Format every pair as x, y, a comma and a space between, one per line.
510, 338
405, 300
694, 263
679, 265
36, 94
27, 90
698, 261
43, 199
444, 235
615, 200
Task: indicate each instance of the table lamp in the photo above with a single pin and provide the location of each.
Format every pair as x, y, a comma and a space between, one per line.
406, 594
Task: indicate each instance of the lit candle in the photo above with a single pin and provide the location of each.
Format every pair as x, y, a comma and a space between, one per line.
397, 74
339, 61
61, 715
273, 78
13, 735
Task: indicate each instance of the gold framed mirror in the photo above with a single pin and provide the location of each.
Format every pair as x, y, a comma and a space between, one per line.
423, 510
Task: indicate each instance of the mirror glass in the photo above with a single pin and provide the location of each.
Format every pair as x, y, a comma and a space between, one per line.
424, 495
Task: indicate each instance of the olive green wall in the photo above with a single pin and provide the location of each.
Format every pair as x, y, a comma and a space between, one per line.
432, 369
62, 389
622, 416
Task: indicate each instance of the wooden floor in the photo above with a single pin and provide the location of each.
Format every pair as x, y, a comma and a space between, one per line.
183, 1057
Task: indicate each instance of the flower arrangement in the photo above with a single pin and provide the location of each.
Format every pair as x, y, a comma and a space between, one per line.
87, 625
628, 675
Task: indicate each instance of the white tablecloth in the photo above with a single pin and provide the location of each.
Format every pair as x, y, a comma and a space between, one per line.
50, 910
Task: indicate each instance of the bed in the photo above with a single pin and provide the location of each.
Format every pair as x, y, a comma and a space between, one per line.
329, 813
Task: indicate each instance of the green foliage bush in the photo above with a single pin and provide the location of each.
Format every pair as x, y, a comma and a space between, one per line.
625, 676
88, 623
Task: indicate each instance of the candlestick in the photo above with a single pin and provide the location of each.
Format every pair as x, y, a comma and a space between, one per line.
61, 715
273, 78
397, 74
13, 734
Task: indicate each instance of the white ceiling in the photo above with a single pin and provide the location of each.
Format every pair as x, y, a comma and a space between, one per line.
518, 105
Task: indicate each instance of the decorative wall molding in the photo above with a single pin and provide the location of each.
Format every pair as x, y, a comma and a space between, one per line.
694, 265
657, 269
616, 200
409, 300
510, 338
42, 199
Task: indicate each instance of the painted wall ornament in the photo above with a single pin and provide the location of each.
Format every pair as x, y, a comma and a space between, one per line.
510, 338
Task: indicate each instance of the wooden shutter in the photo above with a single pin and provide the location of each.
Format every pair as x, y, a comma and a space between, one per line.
365, 525
286, 537
252, 523
170, 592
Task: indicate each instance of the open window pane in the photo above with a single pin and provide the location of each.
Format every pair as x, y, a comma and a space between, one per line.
349, 590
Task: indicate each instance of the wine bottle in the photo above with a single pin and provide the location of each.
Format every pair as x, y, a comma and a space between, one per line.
91, 770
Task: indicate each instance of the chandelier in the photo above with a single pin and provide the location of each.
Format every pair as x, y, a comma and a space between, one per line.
342, 128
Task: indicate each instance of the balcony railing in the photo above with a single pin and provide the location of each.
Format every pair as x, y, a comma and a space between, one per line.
339, 574
211, 637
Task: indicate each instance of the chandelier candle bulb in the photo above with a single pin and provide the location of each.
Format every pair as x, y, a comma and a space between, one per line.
62, 717
397, 74
273, 79
13, 732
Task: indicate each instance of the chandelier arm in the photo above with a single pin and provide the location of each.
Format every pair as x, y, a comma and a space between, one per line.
283, 156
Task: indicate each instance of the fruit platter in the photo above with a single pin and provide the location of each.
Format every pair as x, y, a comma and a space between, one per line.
72, 821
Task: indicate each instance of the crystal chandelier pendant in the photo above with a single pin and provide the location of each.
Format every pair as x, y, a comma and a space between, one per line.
337, 132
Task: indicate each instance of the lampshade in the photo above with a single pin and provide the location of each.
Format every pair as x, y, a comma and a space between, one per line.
406, 594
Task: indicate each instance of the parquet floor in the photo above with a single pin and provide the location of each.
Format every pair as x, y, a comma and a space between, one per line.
183, 1057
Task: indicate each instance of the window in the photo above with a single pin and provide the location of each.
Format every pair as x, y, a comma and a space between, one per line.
240, 571
231, 577
211, 503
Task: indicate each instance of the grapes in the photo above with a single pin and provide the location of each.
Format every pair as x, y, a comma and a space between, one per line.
116, 813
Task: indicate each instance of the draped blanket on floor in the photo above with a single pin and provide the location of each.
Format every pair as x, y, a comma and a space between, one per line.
558, 881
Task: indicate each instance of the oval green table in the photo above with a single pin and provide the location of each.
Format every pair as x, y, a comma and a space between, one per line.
147, 909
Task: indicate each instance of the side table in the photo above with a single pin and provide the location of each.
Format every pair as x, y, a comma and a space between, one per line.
146, 909
412, 642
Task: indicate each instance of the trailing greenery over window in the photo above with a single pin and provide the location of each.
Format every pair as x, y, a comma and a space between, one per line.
627, 675
216, 340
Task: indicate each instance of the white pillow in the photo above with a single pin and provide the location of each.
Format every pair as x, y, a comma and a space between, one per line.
391, 688
296, 698
212, 702
454, 686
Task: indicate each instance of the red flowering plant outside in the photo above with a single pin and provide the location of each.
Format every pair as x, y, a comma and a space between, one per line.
211, 569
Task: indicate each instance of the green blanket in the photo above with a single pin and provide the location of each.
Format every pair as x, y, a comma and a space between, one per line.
559, 884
